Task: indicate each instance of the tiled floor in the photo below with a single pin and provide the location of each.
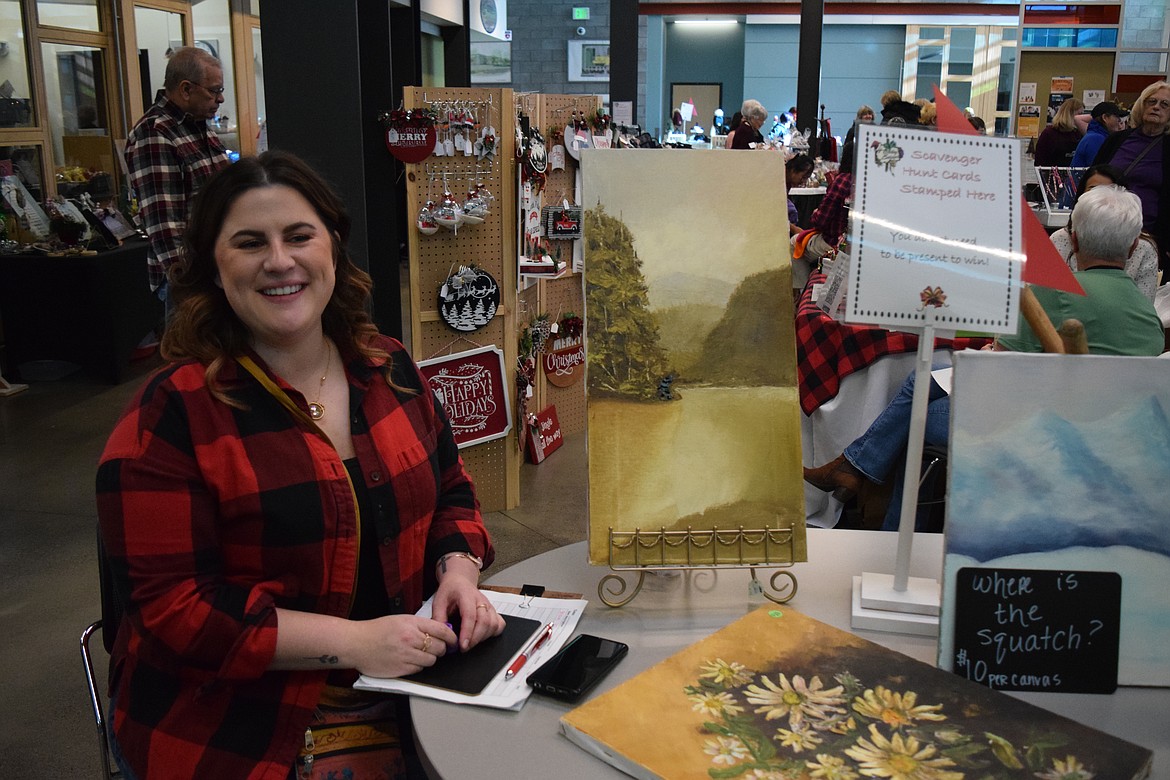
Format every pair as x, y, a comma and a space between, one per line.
50, 438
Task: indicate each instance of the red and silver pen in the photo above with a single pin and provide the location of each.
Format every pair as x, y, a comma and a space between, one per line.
518, 664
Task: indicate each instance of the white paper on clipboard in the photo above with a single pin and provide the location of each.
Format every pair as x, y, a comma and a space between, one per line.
502, 694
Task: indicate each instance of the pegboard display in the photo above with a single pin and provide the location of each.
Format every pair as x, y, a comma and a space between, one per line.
557, 297
491, 246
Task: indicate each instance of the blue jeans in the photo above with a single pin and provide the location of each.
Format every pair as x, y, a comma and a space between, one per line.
879, 451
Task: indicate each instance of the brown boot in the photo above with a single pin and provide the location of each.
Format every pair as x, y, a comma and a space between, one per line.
837, 476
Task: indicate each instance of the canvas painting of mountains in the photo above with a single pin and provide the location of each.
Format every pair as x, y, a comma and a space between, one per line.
1061, 462
693, 420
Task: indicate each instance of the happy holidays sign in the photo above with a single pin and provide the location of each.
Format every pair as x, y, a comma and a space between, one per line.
470, 387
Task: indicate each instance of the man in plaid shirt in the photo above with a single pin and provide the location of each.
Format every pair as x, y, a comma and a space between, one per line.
171, 151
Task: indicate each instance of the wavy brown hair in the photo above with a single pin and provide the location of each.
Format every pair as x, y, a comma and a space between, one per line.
203, 326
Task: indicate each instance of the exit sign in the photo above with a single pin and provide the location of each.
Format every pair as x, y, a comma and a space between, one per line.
580, 14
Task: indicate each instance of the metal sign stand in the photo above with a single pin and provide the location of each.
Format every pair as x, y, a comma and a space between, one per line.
899, 602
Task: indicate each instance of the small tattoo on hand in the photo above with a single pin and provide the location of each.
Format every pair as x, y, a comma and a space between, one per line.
329, 660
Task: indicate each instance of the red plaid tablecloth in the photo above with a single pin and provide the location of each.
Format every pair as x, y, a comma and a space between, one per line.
827, 351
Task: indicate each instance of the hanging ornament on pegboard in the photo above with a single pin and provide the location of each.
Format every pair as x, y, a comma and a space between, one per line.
410, 133
576, 139
469, 299
562, 222
541, 328
485, 145
537, 152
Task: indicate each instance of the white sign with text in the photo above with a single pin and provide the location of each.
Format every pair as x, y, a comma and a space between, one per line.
936, 234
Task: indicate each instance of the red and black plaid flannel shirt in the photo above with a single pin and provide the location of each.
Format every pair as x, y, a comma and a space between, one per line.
832, 215
827, 351
169, 156
212, 517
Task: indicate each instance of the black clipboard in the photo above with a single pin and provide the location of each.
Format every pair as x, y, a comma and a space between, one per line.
469, 673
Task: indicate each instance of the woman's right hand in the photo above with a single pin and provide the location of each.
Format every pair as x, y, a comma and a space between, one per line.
389, 646
398, 645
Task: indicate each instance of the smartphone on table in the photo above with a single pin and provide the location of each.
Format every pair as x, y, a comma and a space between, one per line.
577, 667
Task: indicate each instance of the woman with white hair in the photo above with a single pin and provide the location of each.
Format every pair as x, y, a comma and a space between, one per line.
1143, 155
748, 132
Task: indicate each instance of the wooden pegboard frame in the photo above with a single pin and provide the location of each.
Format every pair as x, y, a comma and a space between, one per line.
565, 294
495, 466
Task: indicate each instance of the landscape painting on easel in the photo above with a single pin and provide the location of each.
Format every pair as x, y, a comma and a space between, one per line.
1061, 463
693, 417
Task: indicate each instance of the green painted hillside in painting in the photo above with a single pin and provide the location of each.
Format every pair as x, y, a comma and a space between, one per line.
694, 342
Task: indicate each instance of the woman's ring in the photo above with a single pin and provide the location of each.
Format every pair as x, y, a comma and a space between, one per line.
426, 642
481, 606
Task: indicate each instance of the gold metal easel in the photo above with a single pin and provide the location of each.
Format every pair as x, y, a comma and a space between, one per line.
644, 551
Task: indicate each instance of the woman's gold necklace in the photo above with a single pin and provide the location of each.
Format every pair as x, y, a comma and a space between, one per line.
316, 408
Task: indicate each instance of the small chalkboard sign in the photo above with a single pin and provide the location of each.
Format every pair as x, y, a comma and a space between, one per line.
1038, 630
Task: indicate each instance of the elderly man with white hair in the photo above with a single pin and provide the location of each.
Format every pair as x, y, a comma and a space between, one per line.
1118, 318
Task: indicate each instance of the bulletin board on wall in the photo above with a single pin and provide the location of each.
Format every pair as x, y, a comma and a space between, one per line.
565, 294
490, 246
1087, 70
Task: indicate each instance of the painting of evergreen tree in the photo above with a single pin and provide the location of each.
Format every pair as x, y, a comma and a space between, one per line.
691, 371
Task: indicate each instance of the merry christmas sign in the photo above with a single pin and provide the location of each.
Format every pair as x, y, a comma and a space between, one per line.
564, 362
470, 386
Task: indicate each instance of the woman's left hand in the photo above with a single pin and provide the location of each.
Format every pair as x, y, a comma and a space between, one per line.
459, 593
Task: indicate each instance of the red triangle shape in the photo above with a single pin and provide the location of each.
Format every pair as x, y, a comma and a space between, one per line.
951, 118
1045, 266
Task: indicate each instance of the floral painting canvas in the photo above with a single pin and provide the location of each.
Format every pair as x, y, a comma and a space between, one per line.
691, 392
1061, 462
780, 695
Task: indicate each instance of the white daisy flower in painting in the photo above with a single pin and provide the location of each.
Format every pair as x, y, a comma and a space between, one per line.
895, 709
765, 774
715, 704
798, 739
830, 768
1069, 769
725, 750
900, 758
796, 699
729, 674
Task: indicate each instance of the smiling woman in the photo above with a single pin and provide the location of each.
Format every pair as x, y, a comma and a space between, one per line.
276, 504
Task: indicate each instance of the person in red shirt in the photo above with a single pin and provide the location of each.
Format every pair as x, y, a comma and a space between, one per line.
830, 221
277, 502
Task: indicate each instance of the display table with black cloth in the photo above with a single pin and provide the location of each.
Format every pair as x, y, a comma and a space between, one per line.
847, 374
92, 310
